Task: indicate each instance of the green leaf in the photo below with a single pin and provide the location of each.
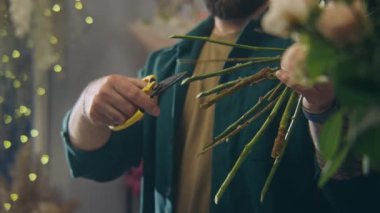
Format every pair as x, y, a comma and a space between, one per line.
330, 137
357, 82
333, 165
321, 57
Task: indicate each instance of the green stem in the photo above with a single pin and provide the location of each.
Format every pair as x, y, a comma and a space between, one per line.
233, 126
248, 147
279, 157
253, 79
275, 91
218, 88
279, 141
195, 61
237, 128
241, 46
229, 70
217, 73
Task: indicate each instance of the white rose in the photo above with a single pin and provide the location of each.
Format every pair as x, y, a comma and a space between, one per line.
285, 16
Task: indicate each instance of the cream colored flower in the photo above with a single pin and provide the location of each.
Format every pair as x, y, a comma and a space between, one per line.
285, 16
21, 14
294, 62
342, 23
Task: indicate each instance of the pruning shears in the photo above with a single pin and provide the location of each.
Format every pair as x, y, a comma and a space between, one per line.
153, 88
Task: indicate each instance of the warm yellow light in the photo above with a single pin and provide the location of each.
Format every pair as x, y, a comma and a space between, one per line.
53, 40
32, 177
57, 68
7, 144
16, 54
56, 8
16, 84
14, 197
5, 58
7, 119
89, 20
23, 109
41, 91
78, 5
28, 112
9, 74
44, 159
47, 12
7, 206
24, 138
34, 133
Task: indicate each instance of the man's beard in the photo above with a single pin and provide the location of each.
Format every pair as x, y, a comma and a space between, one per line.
233, 9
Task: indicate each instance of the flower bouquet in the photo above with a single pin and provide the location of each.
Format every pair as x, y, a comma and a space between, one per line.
338, 42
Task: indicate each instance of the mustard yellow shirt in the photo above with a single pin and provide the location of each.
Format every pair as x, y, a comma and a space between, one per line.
195, 131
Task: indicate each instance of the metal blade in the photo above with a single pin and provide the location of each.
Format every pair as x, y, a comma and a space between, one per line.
168, 82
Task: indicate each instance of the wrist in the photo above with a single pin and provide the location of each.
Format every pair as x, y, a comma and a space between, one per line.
83, 134
317, 108
320, 113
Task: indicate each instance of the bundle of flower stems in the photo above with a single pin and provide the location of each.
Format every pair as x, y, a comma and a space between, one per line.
271, 101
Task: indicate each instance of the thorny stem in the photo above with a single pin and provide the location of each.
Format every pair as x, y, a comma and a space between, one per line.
238, 128
280, 139
196, 61
218, 88
241, 46
275, 91
229, 70
245, 116
281, 152
217, 73
248, 147
253, 79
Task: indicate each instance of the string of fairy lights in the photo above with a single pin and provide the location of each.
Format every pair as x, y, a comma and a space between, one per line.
15, 81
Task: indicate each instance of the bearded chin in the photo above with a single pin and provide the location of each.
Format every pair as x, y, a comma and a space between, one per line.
233, 9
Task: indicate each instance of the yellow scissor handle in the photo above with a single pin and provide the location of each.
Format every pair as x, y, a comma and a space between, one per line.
151, 80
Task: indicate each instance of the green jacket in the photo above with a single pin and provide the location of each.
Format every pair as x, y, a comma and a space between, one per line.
293, 188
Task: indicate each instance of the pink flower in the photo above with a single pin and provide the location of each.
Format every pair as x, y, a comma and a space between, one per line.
342, 23
133, 180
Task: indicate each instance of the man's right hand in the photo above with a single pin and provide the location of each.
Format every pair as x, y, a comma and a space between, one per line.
113, 99
105, 102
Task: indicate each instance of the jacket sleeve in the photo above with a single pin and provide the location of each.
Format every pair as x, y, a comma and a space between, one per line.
121, 152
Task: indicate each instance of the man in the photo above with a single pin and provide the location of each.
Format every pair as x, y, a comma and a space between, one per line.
173, 132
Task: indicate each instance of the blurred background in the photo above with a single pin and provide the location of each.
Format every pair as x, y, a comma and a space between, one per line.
49, 51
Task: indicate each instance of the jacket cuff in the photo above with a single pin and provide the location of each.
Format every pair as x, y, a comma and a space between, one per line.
80, 160
321, 118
